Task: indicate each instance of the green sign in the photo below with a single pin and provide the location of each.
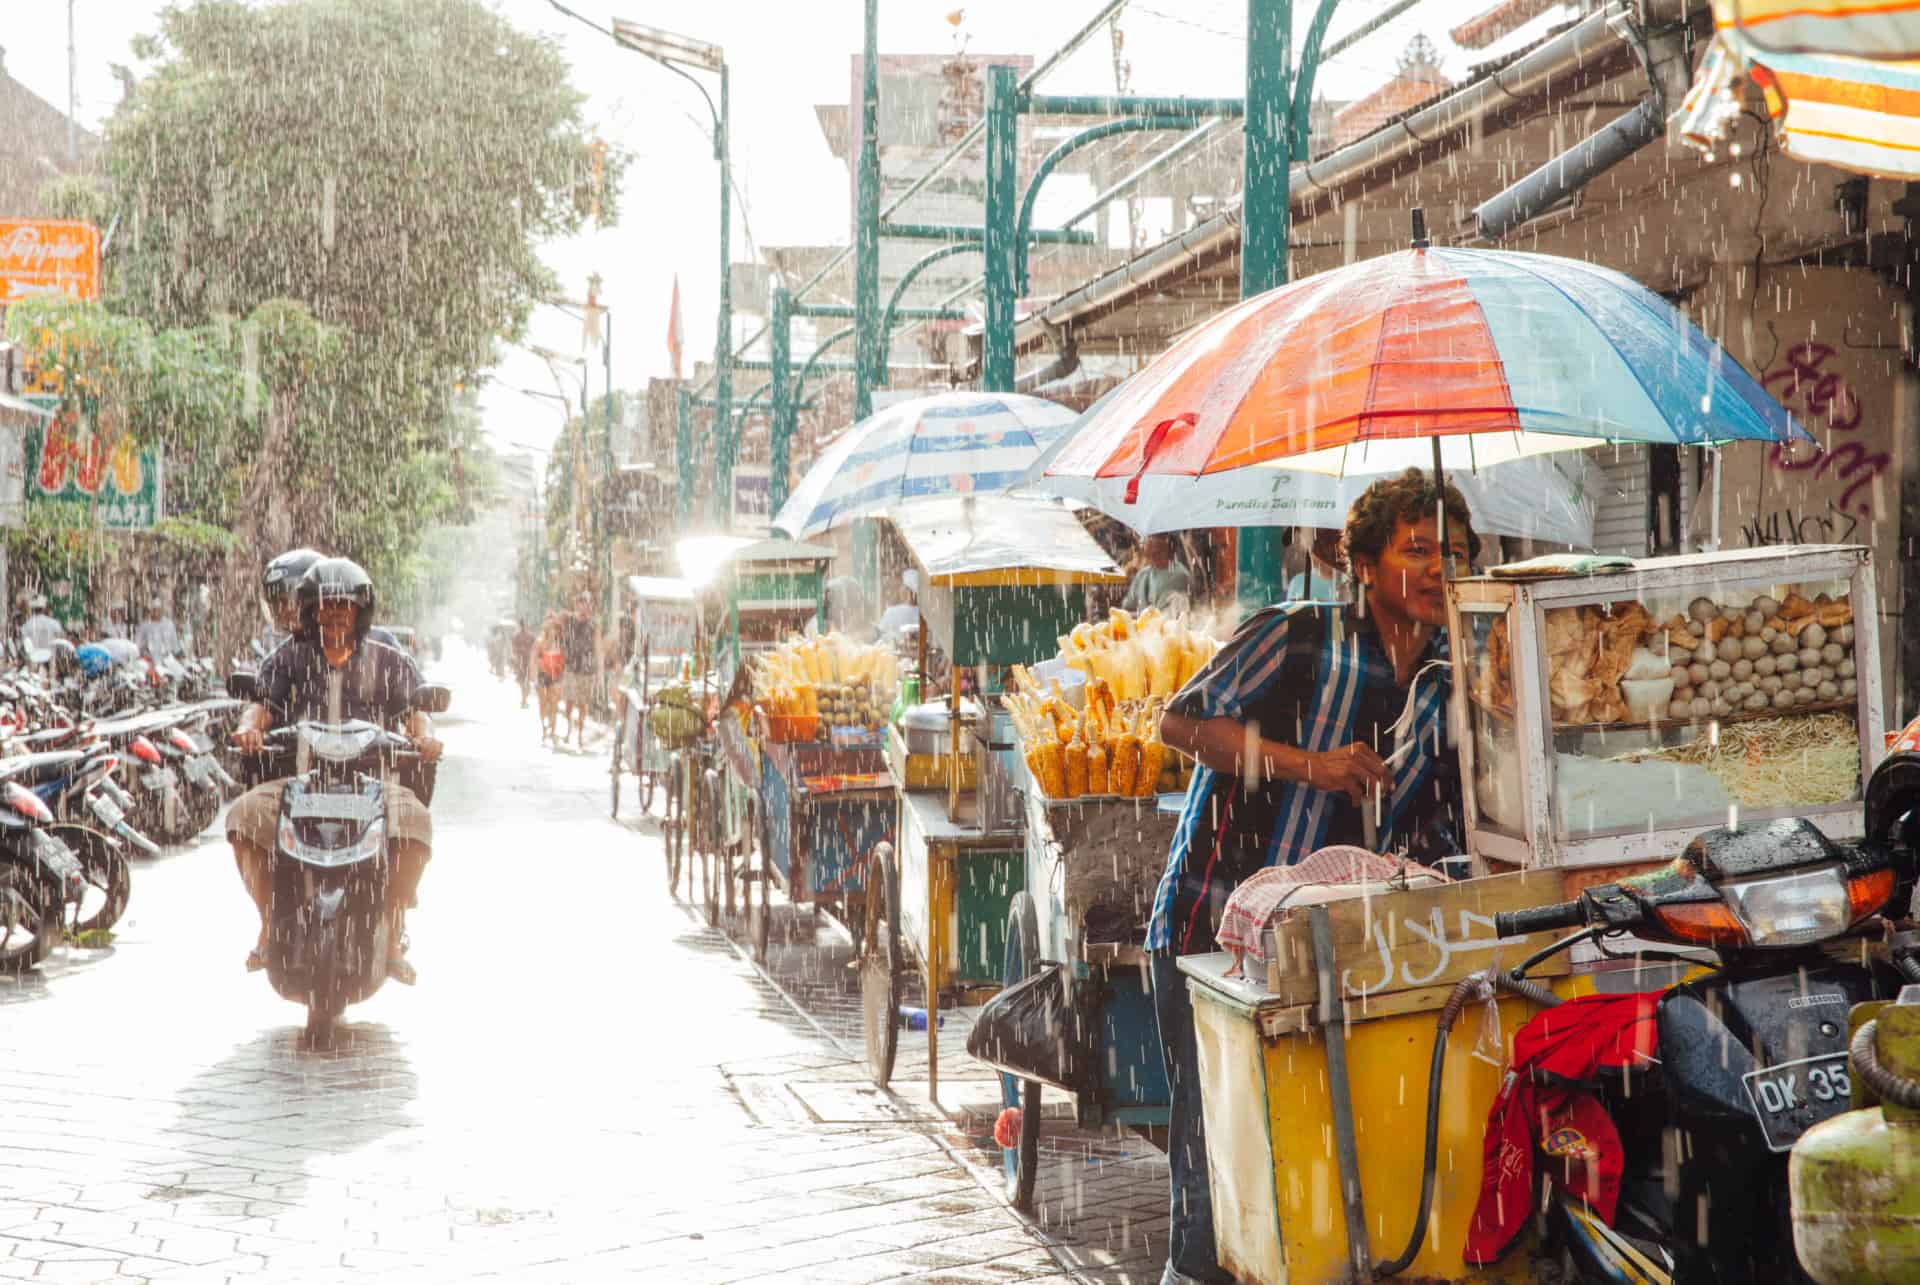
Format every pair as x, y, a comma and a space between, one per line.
76, 461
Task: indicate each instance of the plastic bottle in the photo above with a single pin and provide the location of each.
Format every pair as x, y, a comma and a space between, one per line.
915, 1019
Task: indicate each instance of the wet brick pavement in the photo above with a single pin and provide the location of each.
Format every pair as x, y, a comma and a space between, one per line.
587, 1085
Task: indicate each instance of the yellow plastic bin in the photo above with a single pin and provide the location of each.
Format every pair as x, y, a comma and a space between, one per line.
1265, 1087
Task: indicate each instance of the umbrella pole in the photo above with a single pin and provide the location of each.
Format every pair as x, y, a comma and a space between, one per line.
1440, 507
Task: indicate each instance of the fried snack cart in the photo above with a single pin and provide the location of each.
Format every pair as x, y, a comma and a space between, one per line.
1611, 717
1001, 579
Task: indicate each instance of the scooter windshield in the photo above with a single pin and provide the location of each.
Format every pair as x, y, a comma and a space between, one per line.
340, 742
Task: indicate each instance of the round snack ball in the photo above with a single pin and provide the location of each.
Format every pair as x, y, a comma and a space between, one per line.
1703, 610
1702, 707
1766, 606
1730, 649
1769, 633
1710, 689
1845, 669
1829, 691
1754, 621
1679, 708
1844, 635
1832, 654
1813, 636
1782, 644
1751, 647
1809, 656
1804, 696
1765, 666
1786, 664
1783, 699
1849, 687
1758, 701
1705, 652
1720, 669
1737, 693
1791, 682
1771, 684
1743, 669
1722, 708
1698, 672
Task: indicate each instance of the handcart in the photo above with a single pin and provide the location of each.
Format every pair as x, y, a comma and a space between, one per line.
1092, 866
1001, 579
751, 594
822, 809
663, 638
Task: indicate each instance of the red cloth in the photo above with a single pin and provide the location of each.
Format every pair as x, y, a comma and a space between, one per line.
1542, 1107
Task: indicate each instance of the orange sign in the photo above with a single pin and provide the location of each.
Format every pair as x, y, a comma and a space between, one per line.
48, 256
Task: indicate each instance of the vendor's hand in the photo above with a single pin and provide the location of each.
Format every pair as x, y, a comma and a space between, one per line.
249, 740
1352, 770
428, 748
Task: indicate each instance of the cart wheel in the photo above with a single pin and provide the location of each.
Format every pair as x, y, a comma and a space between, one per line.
706, 829
759, 905
647, 781
851, 911
674, 830
880, 965
1021, 1163
613, 781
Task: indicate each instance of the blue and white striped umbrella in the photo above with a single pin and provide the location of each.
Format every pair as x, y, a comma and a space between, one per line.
959, 443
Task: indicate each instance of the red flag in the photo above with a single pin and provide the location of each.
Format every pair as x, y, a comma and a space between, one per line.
676, 337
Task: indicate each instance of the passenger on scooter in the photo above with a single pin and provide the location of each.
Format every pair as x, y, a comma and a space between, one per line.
332, 671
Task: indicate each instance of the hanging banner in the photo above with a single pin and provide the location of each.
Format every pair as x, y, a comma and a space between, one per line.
72, 462
49, 256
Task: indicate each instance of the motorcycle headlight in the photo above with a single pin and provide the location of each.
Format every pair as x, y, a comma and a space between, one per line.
1792, 910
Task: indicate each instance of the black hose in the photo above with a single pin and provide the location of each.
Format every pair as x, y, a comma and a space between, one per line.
1886, 1086
1463, 991
1909, 966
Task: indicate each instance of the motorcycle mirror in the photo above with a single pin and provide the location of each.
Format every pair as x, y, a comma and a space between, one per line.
243, 684
432, 698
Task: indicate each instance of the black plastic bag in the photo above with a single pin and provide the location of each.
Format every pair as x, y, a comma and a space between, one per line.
1035, 1030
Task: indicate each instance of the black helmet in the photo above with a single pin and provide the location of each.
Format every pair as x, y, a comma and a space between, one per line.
329, 580
282, 577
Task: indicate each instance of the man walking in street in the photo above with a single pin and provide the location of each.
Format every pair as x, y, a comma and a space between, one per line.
522, 649
580, 640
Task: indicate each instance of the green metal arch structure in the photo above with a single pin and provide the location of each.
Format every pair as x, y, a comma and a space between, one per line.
1023, 227
907, 279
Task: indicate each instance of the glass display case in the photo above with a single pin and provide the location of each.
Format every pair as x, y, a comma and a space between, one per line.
1609, 718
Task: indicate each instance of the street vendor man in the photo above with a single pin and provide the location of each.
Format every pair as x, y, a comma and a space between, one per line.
1313, 716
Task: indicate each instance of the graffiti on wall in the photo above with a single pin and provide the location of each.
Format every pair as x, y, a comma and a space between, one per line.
1823, 401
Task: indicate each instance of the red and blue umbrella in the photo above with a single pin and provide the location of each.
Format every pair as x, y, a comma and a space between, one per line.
1456, 356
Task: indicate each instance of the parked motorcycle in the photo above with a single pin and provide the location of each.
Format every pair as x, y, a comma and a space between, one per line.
39, 877
328, 927
1751, 1054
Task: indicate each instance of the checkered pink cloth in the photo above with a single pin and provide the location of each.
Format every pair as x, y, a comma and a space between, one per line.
1265, 898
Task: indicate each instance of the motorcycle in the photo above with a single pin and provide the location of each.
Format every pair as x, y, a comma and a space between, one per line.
1793, 928
328, 929
39, 876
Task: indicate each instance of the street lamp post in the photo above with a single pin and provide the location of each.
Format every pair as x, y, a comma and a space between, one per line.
676, 53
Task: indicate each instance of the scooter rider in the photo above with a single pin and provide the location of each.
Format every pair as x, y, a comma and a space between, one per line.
330, 670
280, 599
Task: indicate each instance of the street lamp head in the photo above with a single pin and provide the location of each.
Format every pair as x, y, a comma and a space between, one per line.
668, 47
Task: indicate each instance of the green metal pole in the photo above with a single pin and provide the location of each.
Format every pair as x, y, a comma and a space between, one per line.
783, 413
723, 347
1263, 234
866, 225
606, 477
1003, 193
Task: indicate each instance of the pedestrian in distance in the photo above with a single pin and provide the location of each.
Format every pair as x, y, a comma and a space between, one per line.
522, 658
39, 630
157, 638
552, 664
580, 635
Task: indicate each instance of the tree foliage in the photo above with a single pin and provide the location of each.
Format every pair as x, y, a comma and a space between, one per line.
365, 182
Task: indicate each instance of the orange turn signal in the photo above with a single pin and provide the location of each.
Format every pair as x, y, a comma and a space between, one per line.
1708, 923
1867, 893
